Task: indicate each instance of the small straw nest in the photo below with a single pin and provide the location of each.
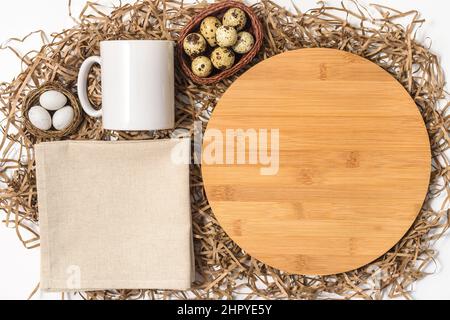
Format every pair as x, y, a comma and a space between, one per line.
224, 271
218, 10
33, 99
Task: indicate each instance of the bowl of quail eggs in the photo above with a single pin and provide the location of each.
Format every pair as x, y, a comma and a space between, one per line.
51, 112
219, 42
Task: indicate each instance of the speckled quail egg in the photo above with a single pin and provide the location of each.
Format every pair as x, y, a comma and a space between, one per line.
208, 29
244, 43
236, 18
202, 66
194, 44
226, 36
222, 58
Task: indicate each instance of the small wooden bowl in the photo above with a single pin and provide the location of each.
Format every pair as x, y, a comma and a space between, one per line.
218, 10
33, 100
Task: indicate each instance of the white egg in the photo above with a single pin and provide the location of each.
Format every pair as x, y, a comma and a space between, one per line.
52, 100
40, 118
63, 118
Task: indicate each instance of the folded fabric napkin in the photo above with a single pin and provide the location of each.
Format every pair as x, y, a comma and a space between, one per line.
115, 215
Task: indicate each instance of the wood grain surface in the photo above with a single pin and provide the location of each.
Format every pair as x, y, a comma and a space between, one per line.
354, 162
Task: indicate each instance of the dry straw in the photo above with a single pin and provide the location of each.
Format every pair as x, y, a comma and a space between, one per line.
223, 268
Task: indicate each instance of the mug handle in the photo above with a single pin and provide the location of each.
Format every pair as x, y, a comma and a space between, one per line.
82, 86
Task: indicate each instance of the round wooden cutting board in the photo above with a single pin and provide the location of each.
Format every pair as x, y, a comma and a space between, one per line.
353, 161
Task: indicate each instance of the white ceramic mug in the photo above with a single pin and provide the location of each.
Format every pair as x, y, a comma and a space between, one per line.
138, 90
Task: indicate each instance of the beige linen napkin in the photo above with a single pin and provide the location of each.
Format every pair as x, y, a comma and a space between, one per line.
115, 215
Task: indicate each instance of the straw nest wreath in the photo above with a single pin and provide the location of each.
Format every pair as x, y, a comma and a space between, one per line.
33, 99
224, 271
218, 10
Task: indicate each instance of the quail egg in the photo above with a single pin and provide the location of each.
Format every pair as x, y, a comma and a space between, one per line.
222, 58
236, 18
208, 29
202, 66
244, 43
194, 44
226, 36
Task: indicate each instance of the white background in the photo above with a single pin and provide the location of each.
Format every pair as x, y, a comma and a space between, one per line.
19, 267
